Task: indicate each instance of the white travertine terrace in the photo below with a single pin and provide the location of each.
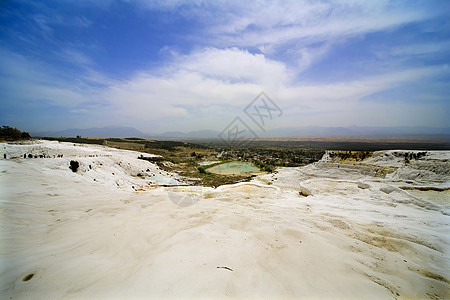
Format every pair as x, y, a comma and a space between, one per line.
103, 232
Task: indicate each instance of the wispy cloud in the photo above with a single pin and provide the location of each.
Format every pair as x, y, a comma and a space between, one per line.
75, 57
276, 22
28, 81
78, 111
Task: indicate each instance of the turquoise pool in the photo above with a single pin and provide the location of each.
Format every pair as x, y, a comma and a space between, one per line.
234, 168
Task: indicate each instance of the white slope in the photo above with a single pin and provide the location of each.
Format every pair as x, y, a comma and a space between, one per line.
357, 236
113, 168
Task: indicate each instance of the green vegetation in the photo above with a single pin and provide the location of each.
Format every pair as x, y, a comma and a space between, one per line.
78, 140
337, 144
350, 156
269, 158
12, 134
134, 139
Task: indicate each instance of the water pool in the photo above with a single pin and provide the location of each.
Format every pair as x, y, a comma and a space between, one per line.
234, 168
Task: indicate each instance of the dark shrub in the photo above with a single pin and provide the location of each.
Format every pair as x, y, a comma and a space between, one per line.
25, 135
74, 165
13, 134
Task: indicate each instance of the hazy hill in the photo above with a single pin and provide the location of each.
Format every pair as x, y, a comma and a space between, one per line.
288, 132
95, 132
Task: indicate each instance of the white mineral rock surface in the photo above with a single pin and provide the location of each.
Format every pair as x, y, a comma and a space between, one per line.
374, 229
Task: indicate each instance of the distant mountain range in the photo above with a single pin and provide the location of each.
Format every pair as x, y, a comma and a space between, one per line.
95, 132
286, 132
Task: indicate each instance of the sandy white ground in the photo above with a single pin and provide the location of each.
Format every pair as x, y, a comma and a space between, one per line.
358, 235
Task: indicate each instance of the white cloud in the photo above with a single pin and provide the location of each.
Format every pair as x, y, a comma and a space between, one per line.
293, 29
210, 76
234, 65
215, 78
344, 94
310, 55
208, 88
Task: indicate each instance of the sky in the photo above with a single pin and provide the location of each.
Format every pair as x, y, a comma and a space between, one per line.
193, 65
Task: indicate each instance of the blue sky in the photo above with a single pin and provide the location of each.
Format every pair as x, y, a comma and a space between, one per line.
193, 65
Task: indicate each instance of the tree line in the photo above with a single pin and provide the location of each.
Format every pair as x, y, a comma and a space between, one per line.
9, 133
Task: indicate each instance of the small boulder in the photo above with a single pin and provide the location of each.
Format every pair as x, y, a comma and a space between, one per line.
304, 191
388, 189
363, 185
